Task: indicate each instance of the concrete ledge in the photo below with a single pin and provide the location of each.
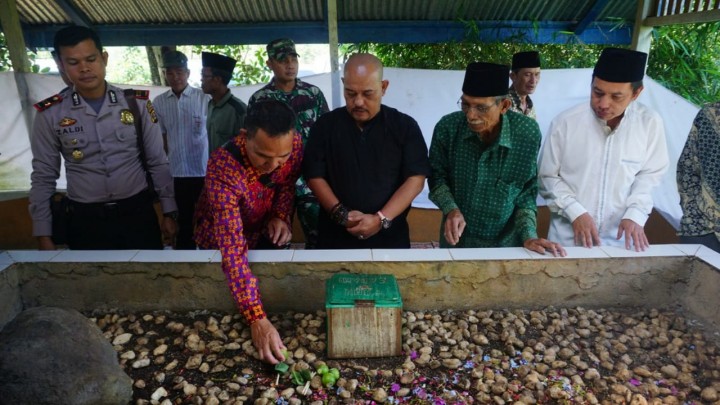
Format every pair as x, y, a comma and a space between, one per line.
683, 276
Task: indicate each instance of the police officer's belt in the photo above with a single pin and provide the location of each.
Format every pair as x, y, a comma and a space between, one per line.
126, 206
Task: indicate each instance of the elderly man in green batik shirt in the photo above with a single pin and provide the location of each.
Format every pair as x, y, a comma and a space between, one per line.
484, 168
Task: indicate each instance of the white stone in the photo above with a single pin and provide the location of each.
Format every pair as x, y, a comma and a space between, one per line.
122, 339
160, 350
159, 393
141, 363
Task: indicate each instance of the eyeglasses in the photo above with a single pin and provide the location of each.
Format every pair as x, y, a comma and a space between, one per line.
480, 109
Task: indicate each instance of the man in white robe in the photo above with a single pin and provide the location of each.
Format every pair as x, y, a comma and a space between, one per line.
601, 160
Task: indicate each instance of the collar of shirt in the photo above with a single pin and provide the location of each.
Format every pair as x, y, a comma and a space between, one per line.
504, 140
170, 93
368, 124
223, 100
627, 116
273, 87
515, 98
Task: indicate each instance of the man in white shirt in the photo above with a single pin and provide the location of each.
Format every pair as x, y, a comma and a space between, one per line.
182, 111
601, 160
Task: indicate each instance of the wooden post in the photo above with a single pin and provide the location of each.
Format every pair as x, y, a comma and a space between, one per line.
10, 20
642, 34
331, 19
13, 36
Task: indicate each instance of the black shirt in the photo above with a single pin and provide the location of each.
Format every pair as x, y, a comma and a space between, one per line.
364, 168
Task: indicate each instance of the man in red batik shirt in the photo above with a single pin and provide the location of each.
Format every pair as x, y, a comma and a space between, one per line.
247, 203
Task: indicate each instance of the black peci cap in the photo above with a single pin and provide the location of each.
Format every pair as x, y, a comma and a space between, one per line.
484, 79
620, 65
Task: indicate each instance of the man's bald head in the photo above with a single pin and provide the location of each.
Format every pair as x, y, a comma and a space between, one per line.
363, 63
363, 86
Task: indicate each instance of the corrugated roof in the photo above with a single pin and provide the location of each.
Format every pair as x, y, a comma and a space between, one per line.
139, 22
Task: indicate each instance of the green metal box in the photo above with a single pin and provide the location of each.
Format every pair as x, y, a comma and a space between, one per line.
364, 316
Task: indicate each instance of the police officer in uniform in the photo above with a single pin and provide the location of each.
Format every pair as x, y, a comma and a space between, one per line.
92, 126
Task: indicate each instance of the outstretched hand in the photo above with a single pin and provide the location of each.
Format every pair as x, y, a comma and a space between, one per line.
633, 233
586, 232
267, 342
454, 227
278, 232
542, 246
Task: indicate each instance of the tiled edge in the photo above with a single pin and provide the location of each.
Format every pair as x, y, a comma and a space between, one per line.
270, 256
410, 255
6, 259
690, 250
173, 256
38, 256
709, 256
358, 255
216, 257
652, 251
514, 253
95, 256
573, 252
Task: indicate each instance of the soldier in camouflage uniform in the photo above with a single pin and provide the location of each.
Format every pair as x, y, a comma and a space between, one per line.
309, 103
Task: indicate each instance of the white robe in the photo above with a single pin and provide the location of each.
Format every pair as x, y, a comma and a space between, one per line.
584, 167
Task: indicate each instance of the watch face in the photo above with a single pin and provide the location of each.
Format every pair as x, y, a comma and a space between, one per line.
386, 223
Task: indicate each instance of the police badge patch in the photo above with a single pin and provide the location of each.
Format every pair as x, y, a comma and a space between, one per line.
126, 117
67, 121
151, 111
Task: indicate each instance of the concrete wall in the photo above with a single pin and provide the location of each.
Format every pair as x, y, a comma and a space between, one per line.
10, 301
668, 276
424, 225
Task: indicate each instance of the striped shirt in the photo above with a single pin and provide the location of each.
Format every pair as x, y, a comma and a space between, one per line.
182, 119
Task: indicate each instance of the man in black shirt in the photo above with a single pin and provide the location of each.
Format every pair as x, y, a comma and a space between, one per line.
365, 162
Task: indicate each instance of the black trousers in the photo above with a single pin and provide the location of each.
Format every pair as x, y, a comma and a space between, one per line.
187, 192
708, 240
131, 223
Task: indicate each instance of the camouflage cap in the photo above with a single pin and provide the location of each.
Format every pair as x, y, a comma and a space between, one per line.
280, 48
174, 59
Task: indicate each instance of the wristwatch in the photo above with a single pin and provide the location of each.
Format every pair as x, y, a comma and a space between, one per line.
384, 221
172, 215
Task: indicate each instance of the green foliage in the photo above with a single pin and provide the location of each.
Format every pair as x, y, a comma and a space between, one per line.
128, 65
5, 63
686, 59
250, 68
457, 55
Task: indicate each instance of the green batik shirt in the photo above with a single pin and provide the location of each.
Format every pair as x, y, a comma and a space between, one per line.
495, 187
307, 101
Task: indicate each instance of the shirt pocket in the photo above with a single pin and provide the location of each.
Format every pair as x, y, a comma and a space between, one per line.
502, 197
72, 143
198, 124
126, 135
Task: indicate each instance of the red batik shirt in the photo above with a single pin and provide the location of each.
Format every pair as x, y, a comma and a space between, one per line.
233, 211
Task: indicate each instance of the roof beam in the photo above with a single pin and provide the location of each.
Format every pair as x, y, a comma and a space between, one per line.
75, 15
685, 18
348, 32
591, 16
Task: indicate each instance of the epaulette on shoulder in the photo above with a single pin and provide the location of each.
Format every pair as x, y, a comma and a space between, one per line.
48, 102
142, 94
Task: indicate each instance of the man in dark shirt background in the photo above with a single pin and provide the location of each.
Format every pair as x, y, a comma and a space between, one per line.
365, 163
